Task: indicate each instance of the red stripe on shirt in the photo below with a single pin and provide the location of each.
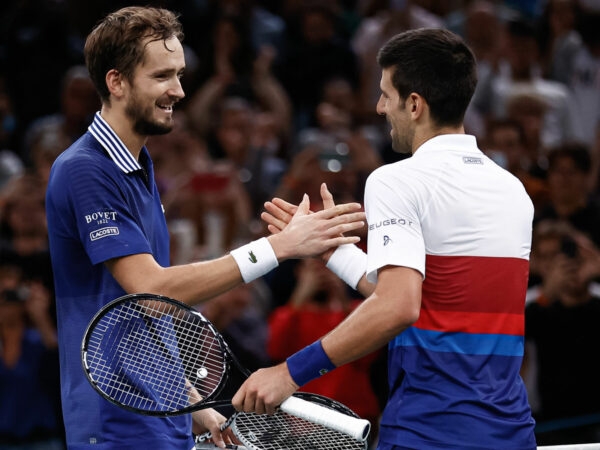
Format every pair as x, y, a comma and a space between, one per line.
470, 322
475, 284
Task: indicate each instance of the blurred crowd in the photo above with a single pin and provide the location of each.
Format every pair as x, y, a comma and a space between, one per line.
280, 96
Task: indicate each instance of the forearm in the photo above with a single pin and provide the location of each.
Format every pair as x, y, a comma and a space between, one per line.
202, 102
189, 283
276, 100
392, 308
365, 287
364, 331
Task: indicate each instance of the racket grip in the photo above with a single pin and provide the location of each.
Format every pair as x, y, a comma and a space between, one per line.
352, 426
213, 447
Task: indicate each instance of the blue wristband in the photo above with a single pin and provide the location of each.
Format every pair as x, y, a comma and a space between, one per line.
309, 363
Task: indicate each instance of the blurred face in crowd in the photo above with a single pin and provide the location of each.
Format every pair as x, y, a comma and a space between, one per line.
507, 139
80, 100
155, 87
234, 131
567, 183
12, 313
522, 53
558, 257
317, 28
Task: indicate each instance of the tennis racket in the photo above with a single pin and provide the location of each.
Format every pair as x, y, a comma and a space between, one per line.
160, 357
283, 431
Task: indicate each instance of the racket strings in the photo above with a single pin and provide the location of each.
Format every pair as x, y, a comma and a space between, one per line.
283, 431
144, 353
202, 352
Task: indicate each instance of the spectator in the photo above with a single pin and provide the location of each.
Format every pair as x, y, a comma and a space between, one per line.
569, 185
11, 166
482, 30
23, 232
382, 19
266, 28
583, 79
39, 29
241, 317
11, 163
519, 73
78, 103
248, 140
316, 56
505, 144
205, 204
48, 144
343, 142
338, 120
314, 165
234, 69
28, 368
529, 110
8, 118
562, 324
559, 38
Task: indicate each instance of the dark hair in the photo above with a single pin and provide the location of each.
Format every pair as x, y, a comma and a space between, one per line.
508, 122
576, 152
437, 65
118, 41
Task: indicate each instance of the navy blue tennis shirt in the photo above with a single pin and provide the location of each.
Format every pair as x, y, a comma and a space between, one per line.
101, 204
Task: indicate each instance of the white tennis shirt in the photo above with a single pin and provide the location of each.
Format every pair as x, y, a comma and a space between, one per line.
465, 224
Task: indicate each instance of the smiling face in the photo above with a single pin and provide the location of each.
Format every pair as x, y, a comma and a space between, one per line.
395, 111
155, 87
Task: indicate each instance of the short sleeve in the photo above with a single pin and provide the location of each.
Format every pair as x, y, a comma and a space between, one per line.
394, 229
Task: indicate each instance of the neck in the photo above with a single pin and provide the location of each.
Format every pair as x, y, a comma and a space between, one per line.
423, 136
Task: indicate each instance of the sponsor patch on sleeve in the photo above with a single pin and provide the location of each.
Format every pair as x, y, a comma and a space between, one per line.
103, 232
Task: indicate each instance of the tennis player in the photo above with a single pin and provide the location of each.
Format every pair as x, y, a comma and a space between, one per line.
449, 237
107, 229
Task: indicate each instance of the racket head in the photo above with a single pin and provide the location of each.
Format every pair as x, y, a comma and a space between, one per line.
143, 351
282, 431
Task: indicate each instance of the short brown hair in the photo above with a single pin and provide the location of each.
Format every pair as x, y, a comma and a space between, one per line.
118, 41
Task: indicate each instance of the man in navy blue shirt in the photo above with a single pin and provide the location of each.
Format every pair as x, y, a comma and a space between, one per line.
108, 234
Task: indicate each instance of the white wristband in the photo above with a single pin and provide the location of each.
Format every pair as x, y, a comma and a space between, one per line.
255, 259
349, 263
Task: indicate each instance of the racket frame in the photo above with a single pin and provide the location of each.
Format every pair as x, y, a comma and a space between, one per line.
207, 402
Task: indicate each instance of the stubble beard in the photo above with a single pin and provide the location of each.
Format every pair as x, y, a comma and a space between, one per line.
400, 144
143, 124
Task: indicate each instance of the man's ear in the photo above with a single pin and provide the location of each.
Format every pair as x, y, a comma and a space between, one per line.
115, 83
416, 105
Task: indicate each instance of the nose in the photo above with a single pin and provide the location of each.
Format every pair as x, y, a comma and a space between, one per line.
380, 106
176, 89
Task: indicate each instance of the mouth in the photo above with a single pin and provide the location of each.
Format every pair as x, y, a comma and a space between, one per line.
166, 108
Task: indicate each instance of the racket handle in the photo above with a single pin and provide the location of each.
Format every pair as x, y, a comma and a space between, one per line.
213, 447
352, 426
207, 446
